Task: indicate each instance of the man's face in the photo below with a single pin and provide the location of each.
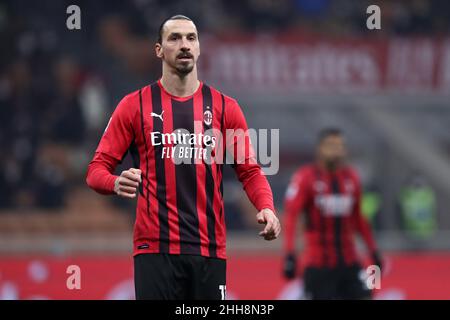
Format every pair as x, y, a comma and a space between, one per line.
332, 150
179, 47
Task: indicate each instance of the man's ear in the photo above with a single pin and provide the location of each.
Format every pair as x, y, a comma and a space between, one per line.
158, 50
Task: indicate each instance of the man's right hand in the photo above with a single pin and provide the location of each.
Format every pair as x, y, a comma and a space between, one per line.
127, 183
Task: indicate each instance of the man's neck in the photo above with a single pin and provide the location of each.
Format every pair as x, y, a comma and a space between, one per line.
180, 86
325, 167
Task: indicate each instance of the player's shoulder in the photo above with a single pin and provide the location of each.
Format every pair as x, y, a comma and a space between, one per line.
228, 100
129, 104
305, 171
132, 97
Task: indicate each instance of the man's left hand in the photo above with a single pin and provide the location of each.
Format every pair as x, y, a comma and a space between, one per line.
273, 228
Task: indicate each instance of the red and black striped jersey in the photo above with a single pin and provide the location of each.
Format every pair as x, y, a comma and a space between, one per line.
331, 204
177, 143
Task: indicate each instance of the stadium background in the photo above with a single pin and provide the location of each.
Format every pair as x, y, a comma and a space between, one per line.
295, 65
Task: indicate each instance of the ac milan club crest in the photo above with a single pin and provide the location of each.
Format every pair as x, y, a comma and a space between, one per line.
207, 117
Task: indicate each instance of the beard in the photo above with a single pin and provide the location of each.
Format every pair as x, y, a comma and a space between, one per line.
183, 68
333, 163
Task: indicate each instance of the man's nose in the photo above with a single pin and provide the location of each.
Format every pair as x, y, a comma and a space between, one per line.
185, 44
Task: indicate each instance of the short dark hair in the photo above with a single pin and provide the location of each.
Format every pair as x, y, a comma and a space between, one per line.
175, 17
327, 132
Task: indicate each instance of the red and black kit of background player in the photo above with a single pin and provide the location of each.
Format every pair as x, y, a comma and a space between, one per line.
327, 194
173, 129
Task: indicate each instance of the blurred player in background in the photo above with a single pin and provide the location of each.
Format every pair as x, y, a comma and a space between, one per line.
328, 194
179, 234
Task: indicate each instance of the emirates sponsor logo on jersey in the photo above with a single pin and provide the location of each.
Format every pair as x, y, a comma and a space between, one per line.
335, 205
181, 144
213, 146
184, 138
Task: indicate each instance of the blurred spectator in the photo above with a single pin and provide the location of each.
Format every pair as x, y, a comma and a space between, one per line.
19, 130
50, 176
64, 122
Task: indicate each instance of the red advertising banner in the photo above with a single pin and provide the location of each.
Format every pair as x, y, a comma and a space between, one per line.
304, 64
249, 276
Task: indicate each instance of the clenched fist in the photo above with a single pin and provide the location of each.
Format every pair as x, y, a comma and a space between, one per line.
127, 183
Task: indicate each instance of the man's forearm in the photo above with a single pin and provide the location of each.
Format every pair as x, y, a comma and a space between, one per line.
256, 187
100, 175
